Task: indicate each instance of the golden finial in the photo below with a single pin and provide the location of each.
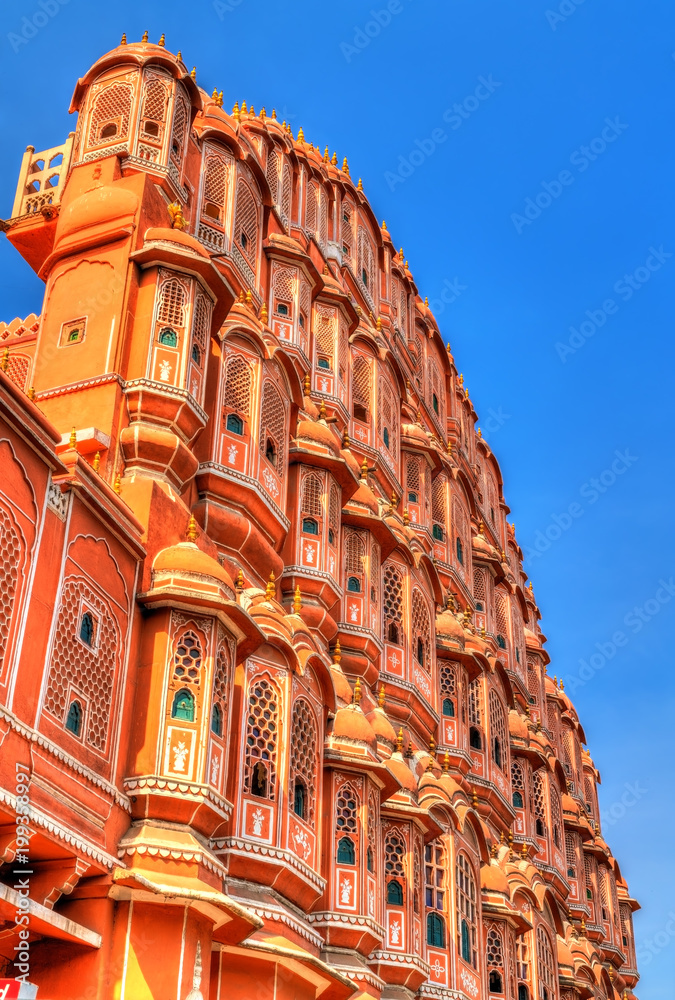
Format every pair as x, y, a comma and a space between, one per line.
501, 837
235, 111
461, 379
220, 99
274, 114
214, 95
466, 394
480, 433
307, 384
393, 503
364, 469
191, 533
337, 652
97, 461
193, 74
474, 798
400, 253
176, 215
562, 685
270, 589
326, 158
493, 851
357, 691
31, 394
179, 56
241, 297
333, 159
378, 325
301, 134
446, 762
523, 852
449, 447
384, 226
345, 438
450, 601
432, 752
555, 680
406, 516
322, 410
467, 616
448, 348
538, 725
251, 111
239, 581
73, 438
162, 41
426, 300
297, 601
117, 485
4, 364
399, 741
359, 186
243, 107
345, 167
249, 297
510, 838
145, 36
583, 926
483, 633
381, 696
481, 528
124, 39
263, 313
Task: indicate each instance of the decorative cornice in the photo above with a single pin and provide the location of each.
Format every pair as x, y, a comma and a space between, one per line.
242, 847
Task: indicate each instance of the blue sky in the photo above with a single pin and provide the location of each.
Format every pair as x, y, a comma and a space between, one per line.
538, 198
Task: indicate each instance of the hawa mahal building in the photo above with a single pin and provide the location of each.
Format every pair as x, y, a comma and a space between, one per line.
275, 715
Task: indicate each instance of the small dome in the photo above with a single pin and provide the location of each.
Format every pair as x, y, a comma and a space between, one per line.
382, 727
351, 724
415, 433
316, 432
102, 205
351, 461
364, 497
494, 879
342, 686
402, 772
569, 805
447, 627
518, 726
187, 560
564, 954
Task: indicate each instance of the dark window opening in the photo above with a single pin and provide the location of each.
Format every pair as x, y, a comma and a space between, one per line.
87, 629
299, 799
282, 309
310, 526
196, 354
496, 982
151, 128
479, 606
360, 412
243, 239
501, 642
345, 851
323, 363
169, 338
395, 892
437, 532
183, 706
108, 131
413, 497
271, 452
571, 874
354, 585
434, 402
392, 633
73, 335
460, 551
364, 276
449, 707
331, 537
498, 752
539, 827
435, 930
420, 652
301, 321
466, 943
217, 719
369, 859
74, 718
234, 424
259, 780
475, 741
523, 992
212, 211
385, 436
518, 800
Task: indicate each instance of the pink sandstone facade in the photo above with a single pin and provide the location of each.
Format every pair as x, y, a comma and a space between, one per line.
275, 716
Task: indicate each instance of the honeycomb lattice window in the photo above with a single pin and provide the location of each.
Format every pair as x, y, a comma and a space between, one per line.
448, 677
181, 119
475, 711
387, 416
393, 604
305, 299
589, 789
214, 193
187, 659
88, 669
262, 734
221, 678
153, 113
334, 508
539, 803
110, 115
533, 682
571, 854
375, 560
417, 877
436, 393
518, 779
312, 494
373, 823
18, 366
323, 217
346, 230
272, 173
394, 855
568, 752
273, 425
465, 887
438, 505
173, 298
403, 312
362, 385
479, 589
343, 351
304, 750
589, 877
325, 332
11, 550
615, 902
556, 817
246, 222
346, 811
421, 630
546, 969
201, 323
498, 730
501, 617
604, 895
495, 949
366, 262
355, 551
412, 478
238, 383
310, 208
459, 520
287, 192
552, 718
284, 283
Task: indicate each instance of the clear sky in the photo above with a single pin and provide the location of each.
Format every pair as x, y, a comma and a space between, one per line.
522, 156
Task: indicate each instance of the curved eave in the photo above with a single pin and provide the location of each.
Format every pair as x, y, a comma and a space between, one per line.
138, 54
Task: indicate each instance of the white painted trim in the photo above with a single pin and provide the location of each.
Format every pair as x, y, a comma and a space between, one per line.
123, 992
110, 341
182, 954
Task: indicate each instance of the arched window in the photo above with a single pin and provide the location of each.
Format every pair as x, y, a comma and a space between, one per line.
496, 982
234, 424
556, 817
438, 508
355, 560
246, 222
217, 720
168, 337
183, 706
466, 910
497, 730
421, 629
448, 678
272, 426
448, 707
74, 718
437, 532
87, 628
546, 970
310, 526
237, 392
262, 735
571, 855
518, 784
304, 759
394, 867
345, 851
495, 959
110, 114
393, 604
518, 800
460, 550
523, 992
539, 804
362, 388
435, 930
353, 585
475, 741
